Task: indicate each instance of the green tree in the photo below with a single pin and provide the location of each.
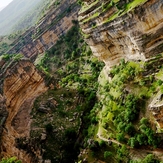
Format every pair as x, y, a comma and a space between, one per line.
102, 143
133, 142
130, 129
107, 154
120, 137
142, 139
150, 159
144, 121
6, 57
123, 153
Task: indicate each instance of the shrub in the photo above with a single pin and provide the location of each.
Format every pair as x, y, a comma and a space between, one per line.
133, 142
150, 159
6, 57
120, 137
107, 154
102, 143
10, 160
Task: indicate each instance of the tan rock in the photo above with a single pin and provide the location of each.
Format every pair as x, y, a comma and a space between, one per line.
22, 84
136, 35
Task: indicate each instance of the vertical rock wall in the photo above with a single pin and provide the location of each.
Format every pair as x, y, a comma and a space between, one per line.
114, 34
21, 85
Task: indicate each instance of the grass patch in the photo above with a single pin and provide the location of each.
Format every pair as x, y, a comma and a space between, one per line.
128, 7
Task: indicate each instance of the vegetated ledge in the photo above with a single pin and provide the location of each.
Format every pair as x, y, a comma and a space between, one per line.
112, 9
133, 32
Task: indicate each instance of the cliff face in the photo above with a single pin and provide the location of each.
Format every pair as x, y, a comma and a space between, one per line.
21, 85
42, 37
116, 31
3, 113
113, 32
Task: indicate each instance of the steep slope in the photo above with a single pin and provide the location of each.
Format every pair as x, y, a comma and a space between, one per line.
116, 30
52, 126
125, 123
21, 84
43, 36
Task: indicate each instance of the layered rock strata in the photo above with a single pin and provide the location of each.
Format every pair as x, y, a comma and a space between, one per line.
129, 30
42, 37
22, 83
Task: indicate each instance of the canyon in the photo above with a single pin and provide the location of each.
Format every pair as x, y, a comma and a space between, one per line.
37, 115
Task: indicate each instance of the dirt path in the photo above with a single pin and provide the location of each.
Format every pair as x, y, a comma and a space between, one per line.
134, 153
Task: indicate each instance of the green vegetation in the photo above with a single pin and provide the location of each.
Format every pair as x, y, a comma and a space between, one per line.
14, 31
120, 108
10, 160
62, 113
116, 117
13, 57
119, 8
124, 8
119, 116
85, 110
150, 158
7, 42
84, 8
56, 20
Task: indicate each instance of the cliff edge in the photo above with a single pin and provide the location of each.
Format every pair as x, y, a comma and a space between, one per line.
128, 29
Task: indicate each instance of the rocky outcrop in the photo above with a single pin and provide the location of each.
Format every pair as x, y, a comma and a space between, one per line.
22, 83
42, 37
130, 30
3, 113
156, 107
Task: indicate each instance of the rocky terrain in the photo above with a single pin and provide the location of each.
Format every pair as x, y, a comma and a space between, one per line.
56, 23
64, 105
41, 119
116, 30
22, 83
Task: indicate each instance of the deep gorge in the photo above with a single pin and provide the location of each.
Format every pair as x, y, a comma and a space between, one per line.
86, 85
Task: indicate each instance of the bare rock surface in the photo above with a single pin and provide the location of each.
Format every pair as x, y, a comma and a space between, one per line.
21, 85
133, 35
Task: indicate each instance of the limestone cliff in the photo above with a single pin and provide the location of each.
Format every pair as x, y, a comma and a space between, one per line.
22, 83
43, 36
116, 30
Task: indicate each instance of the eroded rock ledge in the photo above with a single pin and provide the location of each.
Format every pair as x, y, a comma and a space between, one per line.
21, 85
115, 31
